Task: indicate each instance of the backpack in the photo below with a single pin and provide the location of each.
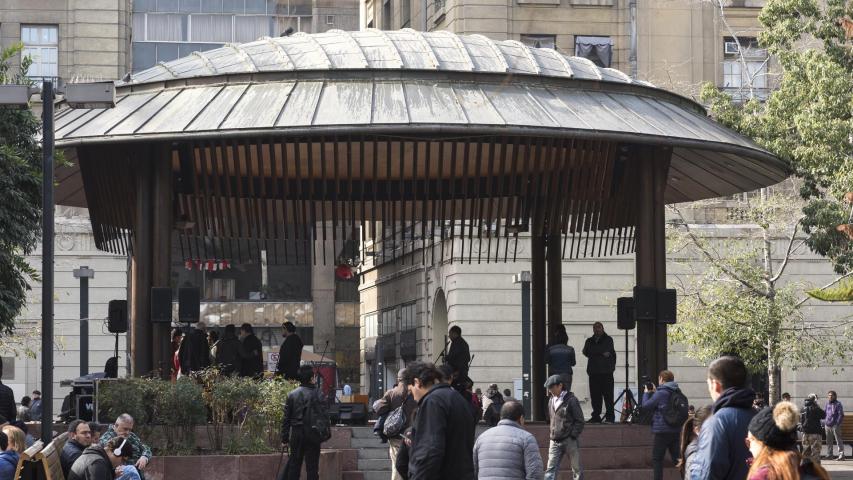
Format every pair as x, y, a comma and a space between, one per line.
315, 422
493, 414
675, 413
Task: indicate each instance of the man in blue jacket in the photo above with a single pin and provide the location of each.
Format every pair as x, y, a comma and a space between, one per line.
666, 435
722, 452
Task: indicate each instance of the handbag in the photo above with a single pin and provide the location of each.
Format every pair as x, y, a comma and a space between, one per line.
395, 422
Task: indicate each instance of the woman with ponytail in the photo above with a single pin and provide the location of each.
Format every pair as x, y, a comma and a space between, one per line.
690, 438
772, 440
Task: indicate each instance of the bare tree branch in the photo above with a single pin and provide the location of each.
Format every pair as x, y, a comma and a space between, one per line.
788, 251
713, 260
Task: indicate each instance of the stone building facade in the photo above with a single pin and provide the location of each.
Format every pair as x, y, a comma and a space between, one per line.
678, 45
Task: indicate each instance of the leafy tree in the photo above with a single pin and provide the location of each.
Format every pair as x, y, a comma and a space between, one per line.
741, 303
808, 120
736, 298
20, 196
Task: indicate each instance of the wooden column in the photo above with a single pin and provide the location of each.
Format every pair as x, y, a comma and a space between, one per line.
537, 270
140, 315
653, 166
162, 250
555, 284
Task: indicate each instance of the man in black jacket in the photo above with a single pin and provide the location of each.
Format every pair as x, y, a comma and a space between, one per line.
567, 424
101, 463
458, 357
194, 352
290, 353
227, 351
8, 410
600, 366
293, 429
251, 353
810, 418
79, 437
443, 443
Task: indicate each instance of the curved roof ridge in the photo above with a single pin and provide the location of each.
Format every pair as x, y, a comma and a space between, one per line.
377, 49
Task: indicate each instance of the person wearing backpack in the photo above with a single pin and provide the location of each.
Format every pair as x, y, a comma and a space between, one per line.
305, 426
492, 403
398, 398
669, 408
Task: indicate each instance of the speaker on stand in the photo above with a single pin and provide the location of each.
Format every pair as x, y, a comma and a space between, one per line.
117, 319
626, 320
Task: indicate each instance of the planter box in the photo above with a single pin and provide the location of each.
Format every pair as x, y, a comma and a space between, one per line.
234, 467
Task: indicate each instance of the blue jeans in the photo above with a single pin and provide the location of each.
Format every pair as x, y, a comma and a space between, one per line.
556, 450
129, 472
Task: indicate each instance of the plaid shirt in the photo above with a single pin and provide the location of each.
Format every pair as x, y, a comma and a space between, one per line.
139, 449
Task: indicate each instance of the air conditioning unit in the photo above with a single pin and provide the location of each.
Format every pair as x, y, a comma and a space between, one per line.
731, 48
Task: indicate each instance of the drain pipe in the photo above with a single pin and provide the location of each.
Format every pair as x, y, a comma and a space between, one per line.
632, 55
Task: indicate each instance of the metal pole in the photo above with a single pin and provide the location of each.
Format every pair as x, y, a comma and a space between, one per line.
47, 264
84, 273
525, 344
84, 326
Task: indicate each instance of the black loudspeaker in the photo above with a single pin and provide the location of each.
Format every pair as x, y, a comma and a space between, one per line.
348, 413
645, 303
625, 313
117, 320
188, 304
161, 305
667, 306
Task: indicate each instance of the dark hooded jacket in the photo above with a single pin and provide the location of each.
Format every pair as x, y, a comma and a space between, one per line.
70, 453
459, 356
251, 353
594, 349
443, 443
289, 356
722, 452
93, 464
810, 417
228, 354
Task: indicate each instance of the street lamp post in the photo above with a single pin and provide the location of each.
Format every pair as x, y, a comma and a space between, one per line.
84, 273
47, 97
79, 95
524, 279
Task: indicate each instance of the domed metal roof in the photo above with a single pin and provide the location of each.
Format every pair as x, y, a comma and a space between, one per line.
376, 49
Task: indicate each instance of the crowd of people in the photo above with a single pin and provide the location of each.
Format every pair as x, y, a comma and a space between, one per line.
235, 352
736, 436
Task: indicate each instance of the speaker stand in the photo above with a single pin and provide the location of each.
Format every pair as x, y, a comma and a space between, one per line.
116, 349
626, 414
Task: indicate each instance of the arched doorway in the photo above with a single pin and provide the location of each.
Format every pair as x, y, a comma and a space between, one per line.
438, 324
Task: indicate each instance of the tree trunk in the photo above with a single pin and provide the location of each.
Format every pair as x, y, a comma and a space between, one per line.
774, 374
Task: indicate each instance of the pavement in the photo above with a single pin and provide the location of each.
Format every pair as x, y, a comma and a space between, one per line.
842, 470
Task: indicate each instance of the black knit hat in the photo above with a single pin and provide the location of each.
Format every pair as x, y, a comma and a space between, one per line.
776, 426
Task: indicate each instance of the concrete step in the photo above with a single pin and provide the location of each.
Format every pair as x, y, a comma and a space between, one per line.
366, 475
374, 464
371, 453
371, 442
362, 432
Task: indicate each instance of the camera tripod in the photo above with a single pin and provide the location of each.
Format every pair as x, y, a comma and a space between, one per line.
629, 407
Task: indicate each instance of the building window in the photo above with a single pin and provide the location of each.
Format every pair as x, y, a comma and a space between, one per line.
386, 15
744, 65
408, 319
41, 44
599, 50
346, 290
388, 321
539, 41
242, 279
371, 325
405, 13
330, 19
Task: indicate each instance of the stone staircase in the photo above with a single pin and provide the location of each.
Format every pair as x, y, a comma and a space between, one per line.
607, 452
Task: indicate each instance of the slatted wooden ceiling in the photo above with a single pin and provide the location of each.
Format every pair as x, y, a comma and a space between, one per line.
241, 197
